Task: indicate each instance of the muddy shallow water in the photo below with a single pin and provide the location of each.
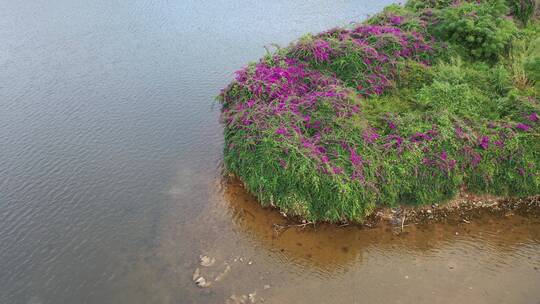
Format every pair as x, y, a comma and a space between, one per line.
489, 260
110, 172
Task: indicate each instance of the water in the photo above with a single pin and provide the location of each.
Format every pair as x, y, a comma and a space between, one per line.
110, 184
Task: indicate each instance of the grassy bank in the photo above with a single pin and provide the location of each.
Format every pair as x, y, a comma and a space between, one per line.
408, 107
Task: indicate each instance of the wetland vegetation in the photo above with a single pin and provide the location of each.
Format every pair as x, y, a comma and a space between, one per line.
410, 107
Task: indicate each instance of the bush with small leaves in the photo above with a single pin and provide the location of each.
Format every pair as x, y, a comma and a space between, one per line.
480, 29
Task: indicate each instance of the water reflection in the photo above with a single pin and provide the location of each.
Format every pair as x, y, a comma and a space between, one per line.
331, 246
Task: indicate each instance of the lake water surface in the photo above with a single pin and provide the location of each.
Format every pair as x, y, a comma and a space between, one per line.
110, 171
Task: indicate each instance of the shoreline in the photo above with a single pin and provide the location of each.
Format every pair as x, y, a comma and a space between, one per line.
464, 208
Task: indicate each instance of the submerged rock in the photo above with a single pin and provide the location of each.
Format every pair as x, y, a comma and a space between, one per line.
251, 297
234, 299
199, 280
206, 261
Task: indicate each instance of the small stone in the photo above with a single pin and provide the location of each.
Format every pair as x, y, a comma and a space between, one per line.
251, 297
201, 282
234, 299
266, 286
250, 262
243, 299
239, 299
406, 277
429, 211
207, 261
196, 274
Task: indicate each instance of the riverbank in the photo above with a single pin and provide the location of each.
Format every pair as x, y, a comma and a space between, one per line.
404, 109
463, 209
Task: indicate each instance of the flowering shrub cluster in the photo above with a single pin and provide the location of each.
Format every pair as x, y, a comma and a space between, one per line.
364, 57
353, 118
297, 107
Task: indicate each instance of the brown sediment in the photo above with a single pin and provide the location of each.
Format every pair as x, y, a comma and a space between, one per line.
462, 209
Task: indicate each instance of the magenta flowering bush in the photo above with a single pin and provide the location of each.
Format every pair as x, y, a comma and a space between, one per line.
364, 57
297, 107
344, 121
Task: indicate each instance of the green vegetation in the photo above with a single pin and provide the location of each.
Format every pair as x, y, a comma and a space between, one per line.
408, 107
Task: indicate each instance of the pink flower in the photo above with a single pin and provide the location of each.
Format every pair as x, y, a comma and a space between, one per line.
355, 158
321, 50
370, 136
337, 170
397, 20
523, 127
533, 117
499, 143
281, 131
444, 155
484, 142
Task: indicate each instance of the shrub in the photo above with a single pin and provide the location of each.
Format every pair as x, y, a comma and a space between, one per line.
481, 29
286, 128
412, 75
531, 62
532, 68
492, 80
364, 57
461, 99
